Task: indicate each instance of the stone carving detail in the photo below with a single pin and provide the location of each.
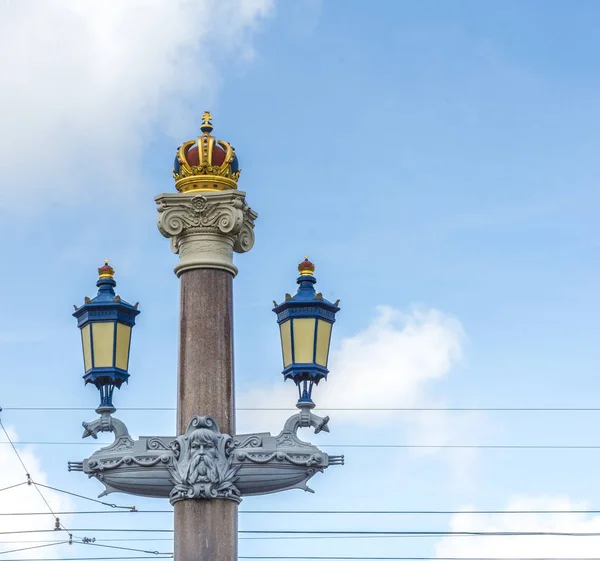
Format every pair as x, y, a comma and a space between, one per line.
296, 459
102, 465
205, 464
121, 443
202, 467
252, 441
157, 443
205, 229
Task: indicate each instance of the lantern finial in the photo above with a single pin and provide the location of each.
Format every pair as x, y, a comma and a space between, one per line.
306, 268
106, 271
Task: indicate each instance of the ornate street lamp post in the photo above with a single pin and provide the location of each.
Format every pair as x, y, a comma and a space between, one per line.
207, 469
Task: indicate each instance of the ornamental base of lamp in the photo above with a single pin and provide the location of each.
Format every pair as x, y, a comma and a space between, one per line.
205, 464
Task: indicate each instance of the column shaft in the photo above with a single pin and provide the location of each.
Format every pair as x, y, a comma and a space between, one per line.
206, 530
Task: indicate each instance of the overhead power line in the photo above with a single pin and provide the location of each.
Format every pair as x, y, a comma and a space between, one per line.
33, 547
111, 505
135, 511
88, 558
337, 558
93, 544
405, 533
85, 542
373, 446
389, 409
58, 524
31, 482
362, 558
13, 486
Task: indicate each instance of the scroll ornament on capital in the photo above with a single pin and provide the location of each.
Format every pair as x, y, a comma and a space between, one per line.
202, 466
210, 213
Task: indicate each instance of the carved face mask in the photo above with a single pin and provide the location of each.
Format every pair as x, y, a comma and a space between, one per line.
202, 442
203, 456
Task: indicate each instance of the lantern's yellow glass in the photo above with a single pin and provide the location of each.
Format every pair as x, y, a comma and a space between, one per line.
86, 342
122, 354
323, 340
286, 342
103, 337
304, 340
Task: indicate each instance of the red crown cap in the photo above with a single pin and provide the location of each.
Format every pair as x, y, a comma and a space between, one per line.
306, 268
106, 271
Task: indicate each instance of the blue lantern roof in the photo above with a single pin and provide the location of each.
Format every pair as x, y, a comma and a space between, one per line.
107, 305
306, 300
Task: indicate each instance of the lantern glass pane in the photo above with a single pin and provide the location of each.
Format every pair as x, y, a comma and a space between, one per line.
103, 335
123, 337
286, 342
323, 338
87, 347
304, 340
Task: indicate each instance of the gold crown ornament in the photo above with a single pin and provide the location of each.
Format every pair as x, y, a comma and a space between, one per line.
106, 271
306, 268
210, 165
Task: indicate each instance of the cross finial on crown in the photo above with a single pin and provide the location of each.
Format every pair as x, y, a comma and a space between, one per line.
206, 126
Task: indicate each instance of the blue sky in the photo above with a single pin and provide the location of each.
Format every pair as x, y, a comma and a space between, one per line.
437, 161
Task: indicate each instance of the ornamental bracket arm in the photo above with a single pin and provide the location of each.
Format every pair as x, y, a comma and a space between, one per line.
205, 464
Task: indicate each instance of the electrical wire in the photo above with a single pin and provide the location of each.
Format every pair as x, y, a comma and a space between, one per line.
33, 547
111, 505
59, 524
414, 533
341, 558
374, 446
108, 540
251, 538
389, 409
336, 558
13, 486
93, 544
362, 558
336, 512
86, 558
9, 441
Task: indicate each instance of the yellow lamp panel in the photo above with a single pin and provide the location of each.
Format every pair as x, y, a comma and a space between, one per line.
103, 334
86, 342
323, 338
123, 336
286, 342
304, 339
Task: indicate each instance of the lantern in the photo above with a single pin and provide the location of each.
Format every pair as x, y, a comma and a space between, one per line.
305, 323
105, 323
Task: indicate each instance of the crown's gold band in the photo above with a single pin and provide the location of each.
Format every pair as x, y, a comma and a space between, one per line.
204, 183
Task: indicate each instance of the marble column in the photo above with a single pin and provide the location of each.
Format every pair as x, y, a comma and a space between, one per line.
205, 229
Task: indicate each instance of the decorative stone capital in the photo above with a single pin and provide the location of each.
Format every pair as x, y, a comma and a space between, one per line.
205, 228
202, 466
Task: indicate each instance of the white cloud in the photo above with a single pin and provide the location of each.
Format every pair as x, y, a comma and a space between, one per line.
389, 364
81, 83
392, 363
25, 498
524, 546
